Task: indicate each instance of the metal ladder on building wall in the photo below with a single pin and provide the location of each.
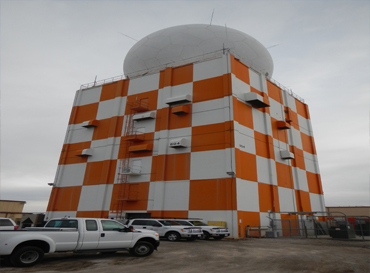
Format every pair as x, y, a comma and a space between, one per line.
122, 177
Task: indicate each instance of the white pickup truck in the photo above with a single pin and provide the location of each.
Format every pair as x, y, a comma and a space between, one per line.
215, 232
27, 247
168, 229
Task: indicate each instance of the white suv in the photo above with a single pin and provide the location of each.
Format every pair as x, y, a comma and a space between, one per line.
215, 232
7, 224
169, 229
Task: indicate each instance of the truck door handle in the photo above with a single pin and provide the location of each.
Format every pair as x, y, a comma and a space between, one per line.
144, 227
102, 235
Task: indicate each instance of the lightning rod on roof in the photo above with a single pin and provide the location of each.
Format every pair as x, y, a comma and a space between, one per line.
212, 17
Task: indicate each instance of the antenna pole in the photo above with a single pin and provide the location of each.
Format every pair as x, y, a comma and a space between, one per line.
212, 16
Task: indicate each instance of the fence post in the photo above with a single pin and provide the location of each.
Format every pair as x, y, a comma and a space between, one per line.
259, 232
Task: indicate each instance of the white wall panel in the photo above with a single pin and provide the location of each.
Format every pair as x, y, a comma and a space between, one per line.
94, 197
266, 170
287, 200
247, 195
208, 69
71, 175
143, 84
208, 165
176, 195
88, 96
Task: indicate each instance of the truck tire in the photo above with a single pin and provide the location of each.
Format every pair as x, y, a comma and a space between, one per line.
173, 236
204, 236
142, 249
26, 256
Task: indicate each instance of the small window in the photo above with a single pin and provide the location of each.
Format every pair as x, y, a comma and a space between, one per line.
62, 224
153, 223
184, 223
139, 222
169, 223
111, 225
6, 223
91, 225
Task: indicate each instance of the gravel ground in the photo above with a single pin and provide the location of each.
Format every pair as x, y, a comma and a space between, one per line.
245, 255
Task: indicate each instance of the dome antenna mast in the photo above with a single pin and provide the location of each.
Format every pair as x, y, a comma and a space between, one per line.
212, 16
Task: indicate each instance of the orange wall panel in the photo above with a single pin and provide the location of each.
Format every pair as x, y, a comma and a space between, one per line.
314, 183
284, 175
274, 92
303, 201
64, 199
302, 109
264, 145
248, 218
182, 74
83, 113
245, 165
212, 194
110, 127
308, 143
170, 167
69, 154
162, 119
212, 137
208, 89
112, 90
240, 70
242, 113
100, 172
268, 197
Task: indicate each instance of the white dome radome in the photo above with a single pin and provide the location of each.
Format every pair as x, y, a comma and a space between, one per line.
183, 44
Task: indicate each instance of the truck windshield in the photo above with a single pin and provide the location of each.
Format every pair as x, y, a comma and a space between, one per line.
198, 223
169, 223
62, 223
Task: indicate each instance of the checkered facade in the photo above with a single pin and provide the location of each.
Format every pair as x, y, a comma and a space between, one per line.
232, 166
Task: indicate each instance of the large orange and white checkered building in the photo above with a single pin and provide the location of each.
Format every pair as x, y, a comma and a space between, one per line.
196, 129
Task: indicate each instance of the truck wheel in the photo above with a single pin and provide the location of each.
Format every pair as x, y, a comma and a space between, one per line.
204, 236
173, 236
219, 237
142, 249
26, 256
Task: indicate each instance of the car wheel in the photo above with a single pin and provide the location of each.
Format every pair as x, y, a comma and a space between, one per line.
204, 236
219, 237
26, 256
142, 249
173, 236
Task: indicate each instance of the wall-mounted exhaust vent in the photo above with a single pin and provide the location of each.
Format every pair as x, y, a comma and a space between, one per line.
256, 100
179, 99
85, 152
148, 115
178, 143
283, 125
286, 155
131, 171
90, 123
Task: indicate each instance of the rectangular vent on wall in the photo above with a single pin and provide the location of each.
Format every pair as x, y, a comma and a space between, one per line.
286, 154
178, 143
181, 109
148, 115
283, 125
256, 100
179, 99
85, 152
90, 123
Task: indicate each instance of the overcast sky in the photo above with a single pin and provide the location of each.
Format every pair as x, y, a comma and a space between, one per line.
49, 48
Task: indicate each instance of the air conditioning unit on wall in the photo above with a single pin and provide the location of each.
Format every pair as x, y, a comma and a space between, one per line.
178, 143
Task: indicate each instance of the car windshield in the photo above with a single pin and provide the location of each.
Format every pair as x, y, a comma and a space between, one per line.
198, 223
184, 223
169, 223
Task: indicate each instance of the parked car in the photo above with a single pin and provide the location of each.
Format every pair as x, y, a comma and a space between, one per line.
7, 224
27, 247
215, 232
168, 229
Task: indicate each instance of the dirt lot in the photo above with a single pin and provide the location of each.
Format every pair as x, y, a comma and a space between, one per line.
248, 255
